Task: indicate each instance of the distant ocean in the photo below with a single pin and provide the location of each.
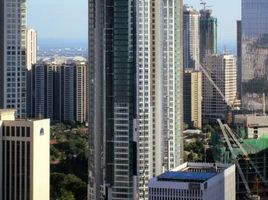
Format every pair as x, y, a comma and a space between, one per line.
83, 43
62, 43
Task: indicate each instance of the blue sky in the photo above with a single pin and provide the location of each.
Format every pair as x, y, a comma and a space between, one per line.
227, 12
55, 19
67, 19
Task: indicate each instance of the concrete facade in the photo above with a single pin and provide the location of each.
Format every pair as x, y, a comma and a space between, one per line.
255, 125
192, 96
13, 56
191, 38
58, 91
25, 157
223, 71
160, 88
31, 48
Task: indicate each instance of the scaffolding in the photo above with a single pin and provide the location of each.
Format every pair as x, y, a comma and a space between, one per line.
251, 159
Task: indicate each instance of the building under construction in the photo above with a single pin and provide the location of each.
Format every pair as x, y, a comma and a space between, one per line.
250, 157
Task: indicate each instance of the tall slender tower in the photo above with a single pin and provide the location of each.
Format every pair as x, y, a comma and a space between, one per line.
208, 33
190, 38
112, 99
31, 47
254, 53
12, 55
160, 55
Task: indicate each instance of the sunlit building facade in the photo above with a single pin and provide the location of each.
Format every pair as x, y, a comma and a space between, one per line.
223, 71
31, 48
160, 90
12, 55
191, 38
24, 158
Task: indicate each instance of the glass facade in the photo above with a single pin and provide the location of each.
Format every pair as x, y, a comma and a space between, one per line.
112, 113
254, 47
208, 34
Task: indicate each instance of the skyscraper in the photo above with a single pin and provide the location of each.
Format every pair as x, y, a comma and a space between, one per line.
160, 89
191, 38
192, 98
31, 47
239, 54
12, 55
58, 92
254, 52
208, 33
223, 71
112, 99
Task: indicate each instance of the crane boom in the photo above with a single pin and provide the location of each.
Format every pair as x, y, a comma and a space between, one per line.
243, 150
215, 86
234, 156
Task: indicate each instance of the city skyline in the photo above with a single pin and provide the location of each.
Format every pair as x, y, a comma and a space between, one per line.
76, 24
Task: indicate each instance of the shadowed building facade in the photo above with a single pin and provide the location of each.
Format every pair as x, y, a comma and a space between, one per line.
112, 99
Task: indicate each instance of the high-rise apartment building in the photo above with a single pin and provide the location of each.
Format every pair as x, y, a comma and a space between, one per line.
239, 54
12, 55
112, 100
31, 48
223, 71
254, 27
208, 33
24, 158
160, 88
58, 92
199, 181
191, 38
192, 98
81, 97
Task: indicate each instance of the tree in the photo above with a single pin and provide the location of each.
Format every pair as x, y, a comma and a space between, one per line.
67, 187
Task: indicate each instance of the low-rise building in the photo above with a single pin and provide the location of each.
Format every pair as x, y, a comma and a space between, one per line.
24, 157
199, 181
254, 126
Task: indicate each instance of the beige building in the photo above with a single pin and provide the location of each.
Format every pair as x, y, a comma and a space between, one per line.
81, 91
24, 155
255, 125
31, 48
192, 93
223, 71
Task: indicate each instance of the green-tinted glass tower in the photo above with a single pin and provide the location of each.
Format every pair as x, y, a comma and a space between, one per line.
208, 34
112, 99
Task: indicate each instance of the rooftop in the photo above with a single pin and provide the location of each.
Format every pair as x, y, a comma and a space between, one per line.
178, 176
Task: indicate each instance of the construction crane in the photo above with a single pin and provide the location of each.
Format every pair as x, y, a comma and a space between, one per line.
229, 137
204, 4
231, 106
